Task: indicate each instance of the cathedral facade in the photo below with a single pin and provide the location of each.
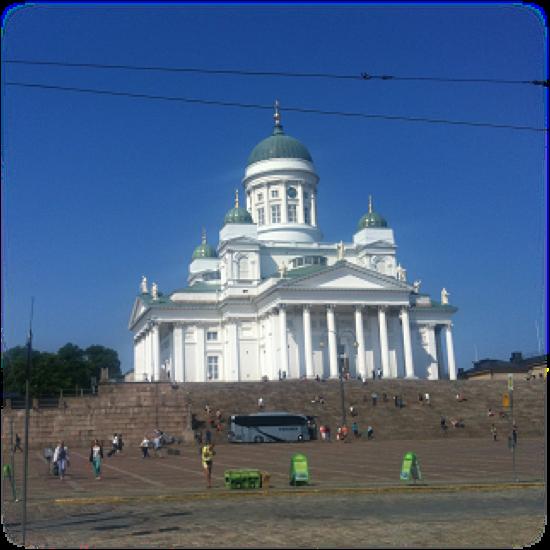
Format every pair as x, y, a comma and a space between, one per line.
274, 301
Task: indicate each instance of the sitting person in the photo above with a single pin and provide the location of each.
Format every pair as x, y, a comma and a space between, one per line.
490, 412
370, 432
352, 410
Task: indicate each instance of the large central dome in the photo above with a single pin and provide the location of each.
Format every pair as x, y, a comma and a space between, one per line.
278, 146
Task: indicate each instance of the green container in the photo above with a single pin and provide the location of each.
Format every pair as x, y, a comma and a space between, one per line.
410, 469
299, 470
243, 479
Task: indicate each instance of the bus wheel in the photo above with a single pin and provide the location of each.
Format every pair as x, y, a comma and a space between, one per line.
300, 437
258, 439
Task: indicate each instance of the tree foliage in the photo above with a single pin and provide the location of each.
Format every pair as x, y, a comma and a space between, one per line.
70, 367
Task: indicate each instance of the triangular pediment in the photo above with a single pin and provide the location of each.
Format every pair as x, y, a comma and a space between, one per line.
345, 276
137, 311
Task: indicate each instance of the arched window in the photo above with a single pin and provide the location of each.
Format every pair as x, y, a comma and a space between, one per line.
243, 268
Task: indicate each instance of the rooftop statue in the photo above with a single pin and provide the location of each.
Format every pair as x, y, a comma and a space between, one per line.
416, 286
445, 296
143, 285
154, 291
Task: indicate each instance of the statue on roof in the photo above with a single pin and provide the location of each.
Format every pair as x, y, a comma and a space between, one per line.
416, 286
401, 273
445, 296
143, 285
282, 270
341, 250
154, 291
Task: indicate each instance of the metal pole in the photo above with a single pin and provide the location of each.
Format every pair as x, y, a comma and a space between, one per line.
27, 407
512, 434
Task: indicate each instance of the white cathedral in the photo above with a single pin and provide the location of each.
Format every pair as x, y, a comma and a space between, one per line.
274, 301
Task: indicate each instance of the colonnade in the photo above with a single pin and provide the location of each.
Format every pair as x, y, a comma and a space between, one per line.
147, 345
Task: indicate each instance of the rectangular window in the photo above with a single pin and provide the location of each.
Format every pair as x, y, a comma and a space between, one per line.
260, 197
306, 215
292, 213
276, 213
212, 336
306, 195
261, 216
212, 367
274, 194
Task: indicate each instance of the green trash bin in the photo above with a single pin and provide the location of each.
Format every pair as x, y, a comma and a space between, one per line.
299, 470
410, 469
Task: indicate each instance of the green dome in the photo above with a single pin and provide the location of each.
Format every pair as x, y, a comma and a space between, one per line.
238, 215
279, 145
371, 219
204, 250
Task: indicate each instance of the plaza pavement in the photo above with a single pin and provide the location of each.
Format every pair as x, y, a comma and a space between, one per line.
161, 495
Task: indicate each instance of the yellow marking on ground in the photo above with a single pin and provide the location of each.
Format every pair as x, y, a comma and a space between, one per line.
302, 491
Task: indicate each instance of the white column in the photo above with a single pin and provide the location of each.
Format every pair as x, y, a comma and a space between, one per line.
407, 346
178, 353
307, 341
155, 348
300, 205
233, 348
283, 339
200, 355
137, 369
383, 330
273, 345
432, 352
313, 211
451, 365
361, 367
332, 349
148, 366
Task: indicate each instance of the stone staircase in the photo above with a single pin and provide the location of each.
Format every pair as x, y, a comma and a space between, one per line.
134, 409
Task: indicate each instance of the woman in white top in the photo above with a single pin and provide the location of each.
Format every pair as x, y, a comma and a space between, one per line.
61, 459
96, 454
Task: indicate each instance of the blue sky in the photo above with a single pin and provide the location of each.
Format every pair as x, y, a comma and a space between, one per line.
99, 190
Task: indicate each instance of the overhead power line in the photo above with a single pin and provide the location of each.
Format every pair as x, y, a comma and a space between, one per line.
270, 107
287, 74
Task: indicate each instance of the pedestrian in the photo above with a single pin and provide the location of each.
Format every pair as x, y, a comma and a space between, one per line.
395, 401
61, 459
370, 432
355, 429
374, 397
515, 435
144, 445
96, 455
48, 455
443, 424
207, 456
494, 432
260, 403
373, 374
17, 445
327, 432
114, 445
120, 443
427, 399
379, 372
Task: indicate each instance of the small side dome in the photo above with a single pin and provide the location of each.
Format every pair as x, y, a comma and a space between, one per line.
371, 219
237, 214
204, 250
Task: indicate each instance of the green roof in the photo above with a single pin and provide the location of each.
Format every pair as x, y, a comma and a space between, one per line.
279, 145
199, 287
372, 219
238, 215
204, 250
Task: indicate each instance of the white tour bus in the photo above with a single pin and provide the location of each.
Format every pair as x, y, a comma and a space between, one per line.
268, 427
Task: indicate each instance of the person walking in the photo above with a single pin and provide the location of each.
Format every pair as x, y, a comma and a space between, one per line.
144, 446
207, 456
61, 459
17, 445
494, 432
96, 455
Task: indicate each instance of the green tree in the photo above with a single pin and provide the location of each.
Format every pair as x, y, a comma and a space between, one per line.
101, 357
